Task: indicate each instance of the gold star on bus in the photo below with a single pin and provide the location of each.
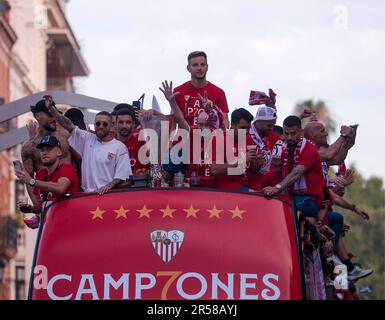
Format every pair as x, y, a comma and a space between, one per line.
214, 212
191, 212
237, 213
97, 213
168, 212
144, 212
121, 212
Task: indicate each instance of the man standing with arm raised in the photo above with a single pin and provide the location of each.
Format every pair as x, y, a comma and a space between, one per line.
189, 100
105, 160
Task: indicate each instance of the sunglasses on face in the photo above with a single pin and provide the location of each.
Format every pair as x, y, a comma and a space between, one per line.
101, 123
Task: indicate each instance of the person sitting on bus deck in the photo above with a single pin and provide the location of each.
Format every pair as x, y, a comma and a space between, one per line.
248, 178
129, 136
53, 180
104, 159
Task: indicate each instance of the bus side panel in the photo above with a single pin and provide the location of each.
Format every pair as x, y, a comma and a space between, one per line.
170, 244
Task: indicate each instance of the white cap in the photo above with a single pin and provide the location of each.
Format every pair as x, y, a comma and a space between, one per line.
265, 113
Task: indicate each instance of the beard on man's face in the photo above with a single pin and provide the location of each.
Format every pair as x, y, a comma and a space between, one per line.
125, 132
291, 143
49, 128
101, 133
263, 133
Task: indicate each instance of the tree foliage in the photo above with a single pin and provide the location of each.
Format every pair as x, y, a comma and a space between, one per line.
322, 111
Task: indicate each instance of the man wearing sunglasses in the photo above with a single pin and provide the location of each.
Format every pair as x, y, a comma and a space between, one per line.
105, 160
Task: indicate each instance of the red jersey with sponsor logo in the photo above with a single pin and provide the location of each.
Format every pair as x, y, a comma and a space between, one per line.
64, 170
133, 145
248, 179
190, 104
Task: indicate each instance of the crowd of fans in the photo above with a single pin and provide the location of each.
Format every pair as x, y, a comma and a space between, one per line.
246, 154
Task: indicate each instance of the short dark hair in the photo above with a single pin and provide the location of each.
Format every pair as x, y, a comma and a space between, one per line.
77, 117
121, 107
278, 129
104, 113
40, 107
126, 112
292, 121
195, 54
239, 114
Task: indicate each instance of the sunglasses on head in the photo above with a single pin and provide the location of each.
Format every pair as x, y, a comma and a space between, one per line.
99, 123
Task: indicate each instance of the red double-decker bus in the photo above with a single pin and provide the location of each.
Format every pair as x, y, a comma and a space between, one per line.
168, 244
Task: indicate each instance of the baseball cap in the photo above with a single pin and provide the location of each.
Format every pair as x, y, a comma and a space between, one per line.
265, 113
40, 107
49, 141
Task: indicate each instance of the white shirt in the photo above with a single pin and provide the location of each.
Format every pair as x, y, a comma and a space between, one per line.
102, 162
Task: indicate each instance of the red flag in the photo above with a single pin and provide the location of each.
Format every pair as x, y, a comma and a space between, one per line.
169, 244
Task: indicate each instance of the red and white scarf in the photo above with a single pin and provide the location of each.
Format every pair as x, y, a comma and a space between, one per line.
264, 148
290, 161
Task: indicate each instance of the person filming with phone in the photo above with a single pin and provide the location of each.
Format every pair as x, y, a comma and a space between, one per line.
53, 180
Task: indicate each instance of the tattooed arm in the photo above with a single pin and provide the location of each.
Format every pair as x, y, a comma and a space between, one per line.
114, 183
288, 181
293, 176
27, 159
63, 120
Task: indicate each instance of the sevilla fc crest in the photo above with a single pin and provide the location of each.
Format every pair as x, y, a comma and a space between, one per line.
167, 243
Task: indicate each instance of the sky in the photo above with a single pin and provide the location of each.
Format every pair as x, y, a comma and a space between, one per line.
319, 49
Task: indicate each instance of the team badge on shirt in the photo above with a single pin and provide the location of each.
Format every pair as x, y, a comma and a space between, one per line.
186, 97
110, 156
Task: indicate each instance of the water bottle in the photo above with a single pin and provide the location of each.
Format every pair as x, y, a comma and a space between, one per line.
178, 180
194, 179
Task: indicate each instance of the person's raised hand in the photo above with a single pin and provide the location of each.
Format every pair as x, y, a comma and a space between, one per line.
32, 128
167, 91
206, 102
272, 99
306, 113
346, 131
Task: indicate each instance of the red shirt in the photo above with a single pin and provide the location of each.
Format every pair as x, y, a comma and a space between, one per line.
314, 179
64, 170
249, 179
202, 169
133, 145
190, 104
269, 143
